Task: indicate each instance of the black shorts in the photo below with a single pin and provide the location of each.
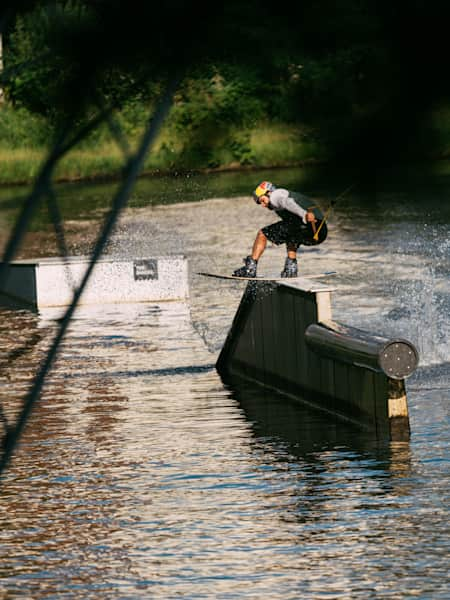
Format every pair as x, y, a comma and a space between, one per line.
294, 232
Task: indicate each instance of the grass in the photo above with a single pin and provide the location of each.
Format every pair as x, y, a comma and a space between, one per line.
270, 145
23, 138
20, 165
282, 144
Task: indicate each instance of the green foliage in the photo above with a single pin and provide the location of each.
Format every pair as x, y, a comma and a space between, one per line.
219, 95
35, 73
355, 73
19, 128
211, 112
241, 149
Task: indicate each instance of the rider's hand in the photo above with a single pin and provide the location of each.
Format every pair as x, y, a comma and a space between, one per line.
310, 217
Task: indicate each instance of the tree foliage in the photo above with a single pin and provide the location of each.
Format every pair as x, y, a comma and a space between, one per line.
360, 71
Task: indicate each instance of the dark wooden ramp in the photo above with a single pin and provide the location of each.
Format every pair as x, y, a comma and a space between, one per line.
283, 337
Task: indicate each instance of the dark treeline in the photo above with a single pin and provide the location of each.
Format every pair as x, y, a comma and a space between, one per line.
362, 75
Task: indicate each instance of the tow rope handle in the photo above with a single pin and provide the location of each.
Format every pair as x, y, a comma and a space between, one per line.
332, 203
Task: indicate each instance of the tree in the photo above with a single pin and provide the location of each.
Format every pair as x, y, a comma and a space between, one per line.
358, 70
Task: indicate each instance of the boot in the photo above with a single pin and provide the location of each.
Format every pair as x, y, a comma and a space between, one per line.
249, 268
290, 268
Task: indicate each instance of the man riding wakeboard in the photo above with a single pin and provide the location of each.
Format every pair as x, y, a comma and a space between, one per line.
302, 223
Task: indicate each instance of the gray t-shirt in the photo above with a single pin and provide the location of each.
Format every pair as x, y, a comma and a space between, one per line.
281, 199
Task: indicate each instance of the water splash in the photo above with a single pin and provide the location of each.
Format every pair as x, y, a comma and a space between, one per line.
425, 299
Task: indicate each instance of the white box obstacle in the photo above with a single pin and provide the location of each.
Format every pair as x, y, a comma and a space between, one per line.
43, 282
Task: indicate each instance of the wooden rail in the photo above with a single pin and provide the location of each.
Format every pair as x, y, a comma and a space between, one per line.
397, 358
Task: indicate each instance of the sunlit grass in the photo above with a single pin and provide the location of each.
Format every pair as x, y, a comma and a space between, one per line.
20, 165
268, 145
277, 145
100, 161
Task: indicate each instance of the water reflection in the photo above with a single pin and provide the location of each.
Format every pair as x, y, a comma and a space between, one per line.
339, 493
167, 483
301, 429
141, 475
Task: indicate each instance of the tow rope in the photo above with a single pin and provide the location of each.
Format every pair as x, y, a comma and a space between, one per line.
332, 203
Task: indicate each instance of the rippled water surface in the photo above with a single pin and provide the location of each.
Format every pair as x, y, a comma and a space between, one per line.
141, 475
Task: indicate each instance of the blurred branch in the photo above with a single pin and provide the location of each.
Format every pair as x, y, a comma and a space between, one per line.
42, 185
120, 200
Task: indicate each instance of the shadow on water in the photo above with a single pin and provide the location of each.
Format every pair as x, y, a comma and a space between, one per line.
304, 432
336, 471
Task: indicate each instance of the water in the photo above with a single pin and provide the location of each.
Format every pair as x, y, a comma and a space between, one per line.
141, 475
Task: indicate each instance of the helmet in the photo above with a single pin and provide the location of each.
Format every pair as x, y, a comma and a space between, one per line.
262, 189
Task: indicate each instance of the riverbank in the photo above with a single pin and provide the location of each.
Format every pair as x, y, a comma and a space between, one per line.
20, 167
25, 142
24, 146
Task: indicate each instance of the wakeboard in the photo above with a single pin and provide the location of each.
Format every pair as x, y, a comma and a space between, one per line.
263, 278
